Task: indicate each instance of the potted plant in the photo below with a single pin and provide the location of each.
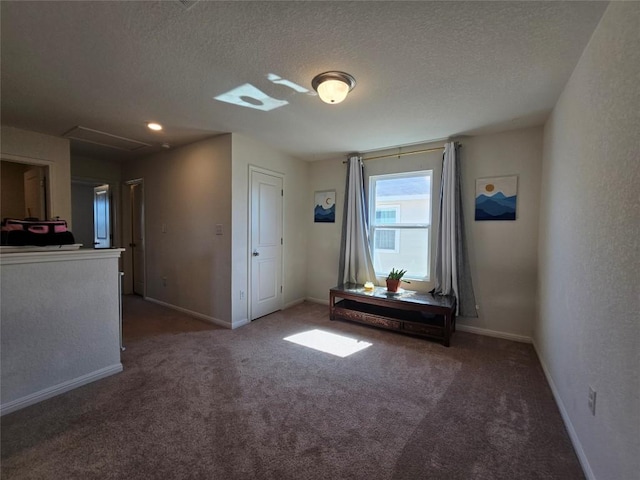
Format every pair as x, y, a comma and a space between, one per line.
394, 278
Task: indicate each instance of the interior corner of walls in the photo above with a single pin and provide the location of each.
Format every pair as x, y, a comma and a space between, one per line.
564, 414
191, 313
240, 323
321, 301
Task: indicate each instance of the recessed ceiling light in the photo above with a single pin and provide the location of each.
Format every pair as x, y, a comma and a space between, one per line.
154, 126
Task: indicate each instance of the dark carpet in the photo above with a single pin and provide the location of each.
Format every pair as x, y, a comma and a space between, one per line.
200, 402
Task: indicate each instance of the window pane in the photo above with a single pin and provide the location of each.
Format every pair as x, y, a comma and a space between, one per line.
386, 215
385, 239
411, 252
400, 221
410, 195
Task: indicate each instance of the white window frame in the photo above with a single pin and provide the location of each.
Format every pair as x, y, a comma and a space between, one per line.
373, 225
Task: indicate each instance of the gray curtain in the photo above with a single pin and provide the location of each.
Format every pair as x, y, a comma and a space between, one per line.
356, 265
452, 276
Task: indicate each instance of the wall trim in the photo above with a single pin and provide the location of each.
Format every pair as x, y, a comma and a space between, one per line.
201, 316
58, 389
240, 323
493, 333
575, 441
43, 254
293, 303
321, 301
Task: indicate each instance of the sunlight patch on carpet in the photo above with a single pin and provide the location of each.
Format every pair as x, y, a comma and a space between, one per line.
328, 342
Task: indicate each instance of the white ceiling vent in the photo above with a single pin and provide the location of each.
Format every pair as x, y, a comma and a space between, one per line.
97, 137
187, 4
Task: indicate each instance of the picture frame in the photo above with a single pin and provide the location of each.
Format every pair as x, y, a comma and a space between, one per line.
325, 206
496, 198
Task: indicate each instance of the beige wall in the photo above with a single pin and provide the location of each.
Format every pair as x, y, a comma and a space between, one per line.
588, 330
12, 191
503, 255
323, 252
105, 171
35, 148
298, 207
189, 190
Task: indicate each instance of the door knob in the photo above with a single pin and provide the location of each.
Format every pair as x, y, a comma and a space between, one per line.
255, 253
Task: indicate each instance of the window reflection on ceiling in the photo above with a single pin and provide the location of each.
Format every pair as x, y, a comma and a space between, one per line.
250, 96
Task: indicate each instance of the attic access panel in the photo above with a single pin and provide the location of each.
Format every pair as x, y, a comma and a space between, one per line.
96, 137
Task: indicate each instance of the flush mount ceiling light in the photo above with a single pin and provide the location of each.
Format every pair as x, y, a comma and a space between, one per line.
154, 126
333, 87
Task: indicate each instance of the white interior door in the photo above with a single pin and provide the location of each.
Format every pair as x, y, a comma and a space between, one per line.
34, 193
266, 243
101, 217
137, 238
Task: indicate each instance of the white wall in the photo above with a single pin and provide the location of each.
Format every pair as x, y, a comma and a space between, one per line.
588, 330
24, 146
188, 189
503, 254
60, 322
298, 207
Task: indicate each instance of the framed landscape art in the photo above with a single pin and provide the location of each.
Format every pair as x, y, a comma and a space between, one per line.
496, 198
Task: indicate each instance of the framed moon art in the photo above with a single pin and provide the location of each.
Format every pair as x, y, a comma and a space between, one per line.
325, 209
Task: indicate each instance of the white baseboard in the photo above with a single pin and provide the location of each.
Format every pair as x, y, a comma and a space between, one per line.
493, 333
577, 446
240, 323
63, 387
201, 316
293, 303
322, 301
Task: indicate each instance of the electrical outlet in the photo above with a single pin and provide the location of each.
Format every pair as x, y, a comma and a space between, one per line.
218, 229
164, 228
164, 281
592, 400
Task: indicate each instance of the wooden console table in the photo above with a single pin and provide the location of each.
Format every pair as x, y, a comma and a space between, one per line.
410, 312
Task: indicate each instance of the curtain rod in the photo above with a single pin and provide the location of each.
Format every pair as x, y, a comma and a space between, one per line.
402, 154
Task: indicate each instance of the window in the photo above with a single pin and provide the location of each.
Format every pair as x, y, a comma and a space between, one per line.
400, 223
386, 238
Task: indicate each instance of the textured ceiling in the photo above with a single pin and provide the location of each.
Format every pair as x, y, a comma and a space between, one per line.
424, 70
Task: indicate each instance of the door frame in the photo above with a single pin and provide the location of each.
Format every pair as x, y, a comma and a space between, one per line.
128, 232
256, 169
115, 195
